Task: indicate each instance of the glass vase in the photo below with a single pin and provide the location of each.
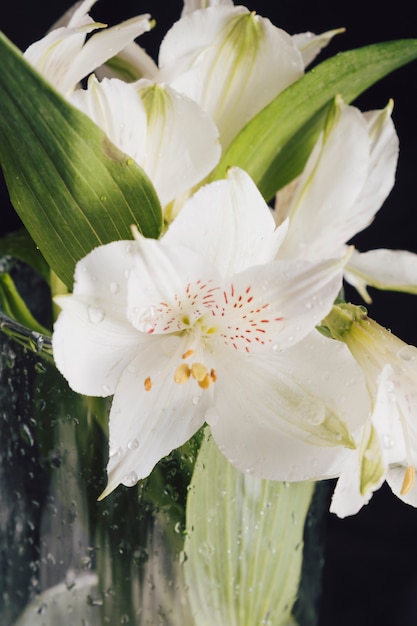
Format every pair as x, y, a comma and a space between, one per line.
69, 559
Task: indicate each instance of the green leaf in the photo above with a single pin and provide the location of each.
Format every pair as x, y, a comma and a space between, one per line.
243, 544
20, 245
13, 305
72, 188
274, 146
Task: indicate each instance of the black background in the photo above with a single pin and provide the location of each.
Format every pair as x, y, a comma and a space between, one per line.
370, 572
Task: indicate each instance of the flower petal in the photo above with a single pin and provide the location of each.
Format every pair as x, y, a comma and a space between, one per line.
293, 296
347, 498
310, 44
151, 414
321, 215
183, 143
269, 418
232, 62
64, 57
195, 5
394, 270
232, 224
117, 108
169, 287
93, 342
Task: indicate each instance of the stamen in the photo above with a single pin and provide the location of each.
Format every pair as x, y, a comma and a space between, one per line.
205, 382
409, 478
213, 375
147, 383
187, 354
199, 371
182, 374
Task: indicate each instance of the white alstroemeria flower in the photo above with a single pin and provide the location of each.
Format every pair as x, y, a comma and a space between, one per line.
347, 178
64, 57
388, 450
168, 134
229, 60
197, 327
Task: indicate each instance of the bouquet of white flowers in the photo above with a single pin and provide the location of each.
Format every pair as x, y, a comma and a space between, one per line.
191, 220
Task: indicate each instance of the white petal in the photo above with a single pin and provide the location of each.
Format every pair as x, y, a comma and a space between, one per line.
267, 409
54, 55
381, 168
131, 64
93, 341
64, 58
76, 15
310, 44
395, 479
105, 45
232, 225
183, 145
91, 347
322, 214
295, 296
231, 62
169, 287
146, 424
347, 499
194, 5
117, 108
394, 270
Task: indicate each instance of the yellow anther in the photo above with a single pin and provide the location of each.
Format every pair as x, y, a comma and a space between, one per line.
147, 383
199, 371
182, 374
187, 354
409, 478
205, 382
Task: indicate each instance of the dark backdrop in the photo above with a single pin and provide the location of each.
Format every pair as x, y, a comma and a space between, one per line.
370, 573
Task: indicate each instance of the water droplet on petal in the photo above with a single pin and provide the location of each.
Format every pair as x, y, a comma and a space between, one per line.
131, 479
148, 320
95, 314
387, 441
106, 390
407, 353
114, 288
115, 451
133, 444
312, 412
196, 400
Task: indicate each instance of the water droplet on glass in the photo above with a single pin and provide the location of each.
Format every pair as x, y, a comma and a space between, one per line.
95, 314
182, 557
26, 434
131, 479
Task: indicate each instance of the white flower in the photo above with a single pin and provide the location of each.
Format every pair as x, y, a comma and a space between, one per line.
229, 60
168, 134
204, 325
388, 449
64, 57
347, 178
